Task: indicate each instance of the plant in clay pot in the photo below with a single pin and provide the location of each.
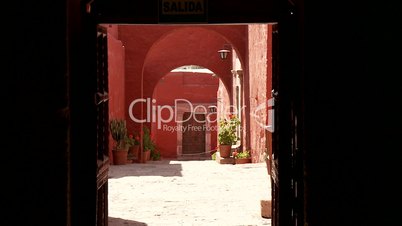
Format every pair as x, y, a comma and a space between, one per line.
133, 151
227, 135
242, 157
148, 144
122, 142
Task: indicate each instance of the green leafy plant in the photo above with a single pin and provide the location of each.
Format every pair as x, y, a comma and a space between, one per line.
147, 141
227, 133
118, 131
213, 156
156, 154
241, 155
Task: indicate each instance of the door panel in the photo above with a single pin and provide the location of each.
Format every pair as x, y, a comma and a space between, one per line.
102, 128
275, 187
286, 161
194, 133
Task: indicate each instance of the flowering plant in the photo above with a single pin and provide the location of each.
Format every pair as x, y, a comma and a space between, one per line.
241, 155
227, 130
133, 140
137, 140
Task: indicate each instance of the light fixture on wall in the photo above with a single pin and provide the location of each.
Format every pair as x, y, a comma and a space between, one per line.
223, 53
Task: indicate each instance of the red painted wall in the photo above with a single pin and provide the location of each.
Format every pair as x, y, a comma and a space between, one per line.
153, 51
260, 87
223, 101
194, 87
116, 59
256, 85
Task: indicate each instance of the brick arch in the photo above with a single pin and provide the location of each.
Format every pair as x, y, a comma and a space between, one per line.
186, 46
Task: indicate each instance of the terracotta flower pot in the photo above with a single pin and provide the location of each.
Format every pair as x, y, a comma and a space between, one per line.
224, 150
134, 151
120, 157
243, 161
145, 156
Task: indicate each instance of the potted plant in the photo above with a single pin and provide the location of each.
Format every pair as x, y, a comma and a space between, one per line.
148, 145
122, 143
213, 153
242, 157
227, 135
133, 151
156, 154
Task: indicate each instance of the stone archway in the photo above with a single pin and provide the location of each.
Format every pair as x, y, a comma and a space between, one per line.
192, 45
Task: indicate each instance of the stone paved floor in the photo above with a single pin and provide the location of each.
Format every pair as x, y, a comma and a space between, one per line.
171, 192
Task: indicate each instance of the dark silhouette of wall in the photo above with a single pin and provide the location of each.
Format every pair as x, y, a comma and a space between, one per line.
351, 121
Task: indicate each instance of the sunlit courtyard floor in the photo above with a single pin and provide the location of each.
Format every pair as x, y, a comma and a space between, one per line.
172, 192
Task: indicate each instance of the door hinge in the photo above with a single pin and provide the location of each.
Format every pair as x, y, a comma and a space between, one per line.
101, 97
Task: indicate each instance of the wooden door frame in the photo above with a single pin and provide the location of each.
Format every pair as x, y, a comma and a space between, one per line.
181, 108
187, 130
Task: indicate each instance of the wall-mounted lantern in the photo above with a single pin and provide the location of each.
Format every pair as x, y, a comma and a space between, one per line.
223, 53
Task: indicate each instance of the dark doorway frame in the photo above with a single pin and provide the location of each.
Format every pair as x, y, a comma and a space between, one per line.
83, 209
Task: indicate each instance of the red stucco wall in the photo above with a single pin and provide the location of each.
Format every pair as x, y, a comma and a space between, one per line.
153, 51
196, 88
223, 101
256, 84
116, 59
260, 81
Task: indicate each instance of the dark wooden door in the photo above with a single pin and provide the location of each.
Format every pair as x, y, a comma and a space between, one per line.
287, 156
274, 172
102, 128
193, 133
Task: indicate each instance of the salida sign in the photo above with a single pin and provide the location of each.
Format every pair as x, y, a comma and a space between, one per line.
182, 11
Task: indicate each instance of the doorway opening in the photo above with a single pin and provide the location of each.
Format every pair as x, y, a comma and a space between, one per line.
194, 140
140, 55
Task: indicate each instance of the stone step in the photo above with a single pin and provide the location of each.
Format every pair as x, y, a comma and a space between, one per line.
199, 156
221, 160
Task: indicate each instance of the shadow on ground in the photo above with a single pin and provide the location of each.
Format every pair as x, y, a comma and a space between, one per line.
162, 168
118, 221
